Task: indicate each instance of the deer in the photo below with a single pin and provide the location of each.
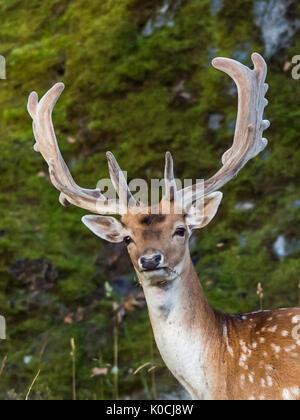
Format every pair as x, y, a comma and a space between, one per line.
214, 355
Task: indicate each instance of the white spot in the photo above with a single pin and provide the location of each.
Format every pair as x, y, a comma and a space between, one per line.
273, 329
284, 333
242, 361
289, 349
296, 319
242, 380
276, 348
295, 390
269, 381
286, 395
230, 350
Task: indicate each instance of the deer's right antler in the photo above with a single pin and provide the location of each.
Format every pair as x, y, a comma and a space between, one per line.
61, 178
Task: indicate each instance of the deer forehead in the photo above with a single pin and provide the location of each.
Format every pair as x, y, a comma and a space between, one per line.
151, 224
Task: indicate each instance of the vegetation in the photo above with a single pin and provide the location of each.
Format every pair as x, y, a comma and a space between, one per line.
138, 96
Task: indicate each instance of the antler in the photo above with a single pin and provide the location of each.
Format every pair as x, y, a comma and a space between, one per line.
61, 178
248, 141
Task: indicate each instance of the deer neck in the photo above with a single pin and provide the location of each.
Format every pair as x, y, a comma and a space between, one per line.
186, 329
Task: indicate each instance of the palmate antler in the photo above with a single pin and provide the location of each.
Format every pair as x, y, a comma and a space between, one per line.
71, 193
248, 143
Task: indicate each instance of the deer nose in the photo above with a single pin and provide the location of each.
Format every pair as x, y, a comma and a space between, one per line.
150, 263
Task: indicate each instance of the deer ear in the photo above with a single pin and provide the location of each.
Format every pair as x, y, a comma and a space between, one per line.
201, 214
107, 228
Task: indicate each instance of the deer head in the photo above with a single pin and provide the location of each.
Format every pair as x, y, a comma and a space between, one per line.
158, 241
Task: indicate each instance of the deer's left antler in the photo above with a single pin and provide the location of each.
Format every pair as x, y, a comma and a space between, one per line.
248, 141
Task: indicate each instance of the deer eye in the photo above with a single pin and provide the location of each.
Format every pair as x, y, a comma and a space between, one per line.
127, 240
180, 232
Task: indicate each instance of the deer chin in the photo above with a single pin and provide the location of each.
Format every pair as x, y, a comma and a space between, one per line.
155, 273
160, 277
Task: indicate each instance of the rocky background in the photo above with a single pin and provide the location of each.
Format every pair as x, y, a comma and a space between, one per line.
138, 82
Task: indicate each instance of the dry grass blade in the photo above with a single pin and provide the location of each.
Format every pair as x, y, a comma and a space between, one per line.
3, 365
260, 293
32, 384
141, 367
72, 354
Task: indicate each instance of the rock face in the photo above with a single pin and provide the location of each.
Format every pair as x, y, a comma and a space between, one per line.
279, 247
163, 17
277, 24
114, 259
123, 285
248, 205
283, 247
216, 6
242, 52
34, 274
215, 121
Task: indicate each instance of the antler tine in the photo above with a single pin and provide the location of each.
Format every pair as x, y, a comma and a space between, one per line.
119, 181
80, 199
170, 184
46, 144
248, 141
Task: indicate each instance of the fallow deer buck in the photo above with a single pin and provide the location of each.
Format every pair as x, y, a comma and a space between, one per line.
212, 354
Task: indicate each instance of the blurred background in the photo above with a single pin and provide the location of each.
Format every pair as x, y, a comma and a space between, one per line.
138, 82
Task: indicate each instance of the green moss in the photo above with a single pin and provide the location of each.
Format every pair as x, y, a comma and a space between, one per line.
120, 95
